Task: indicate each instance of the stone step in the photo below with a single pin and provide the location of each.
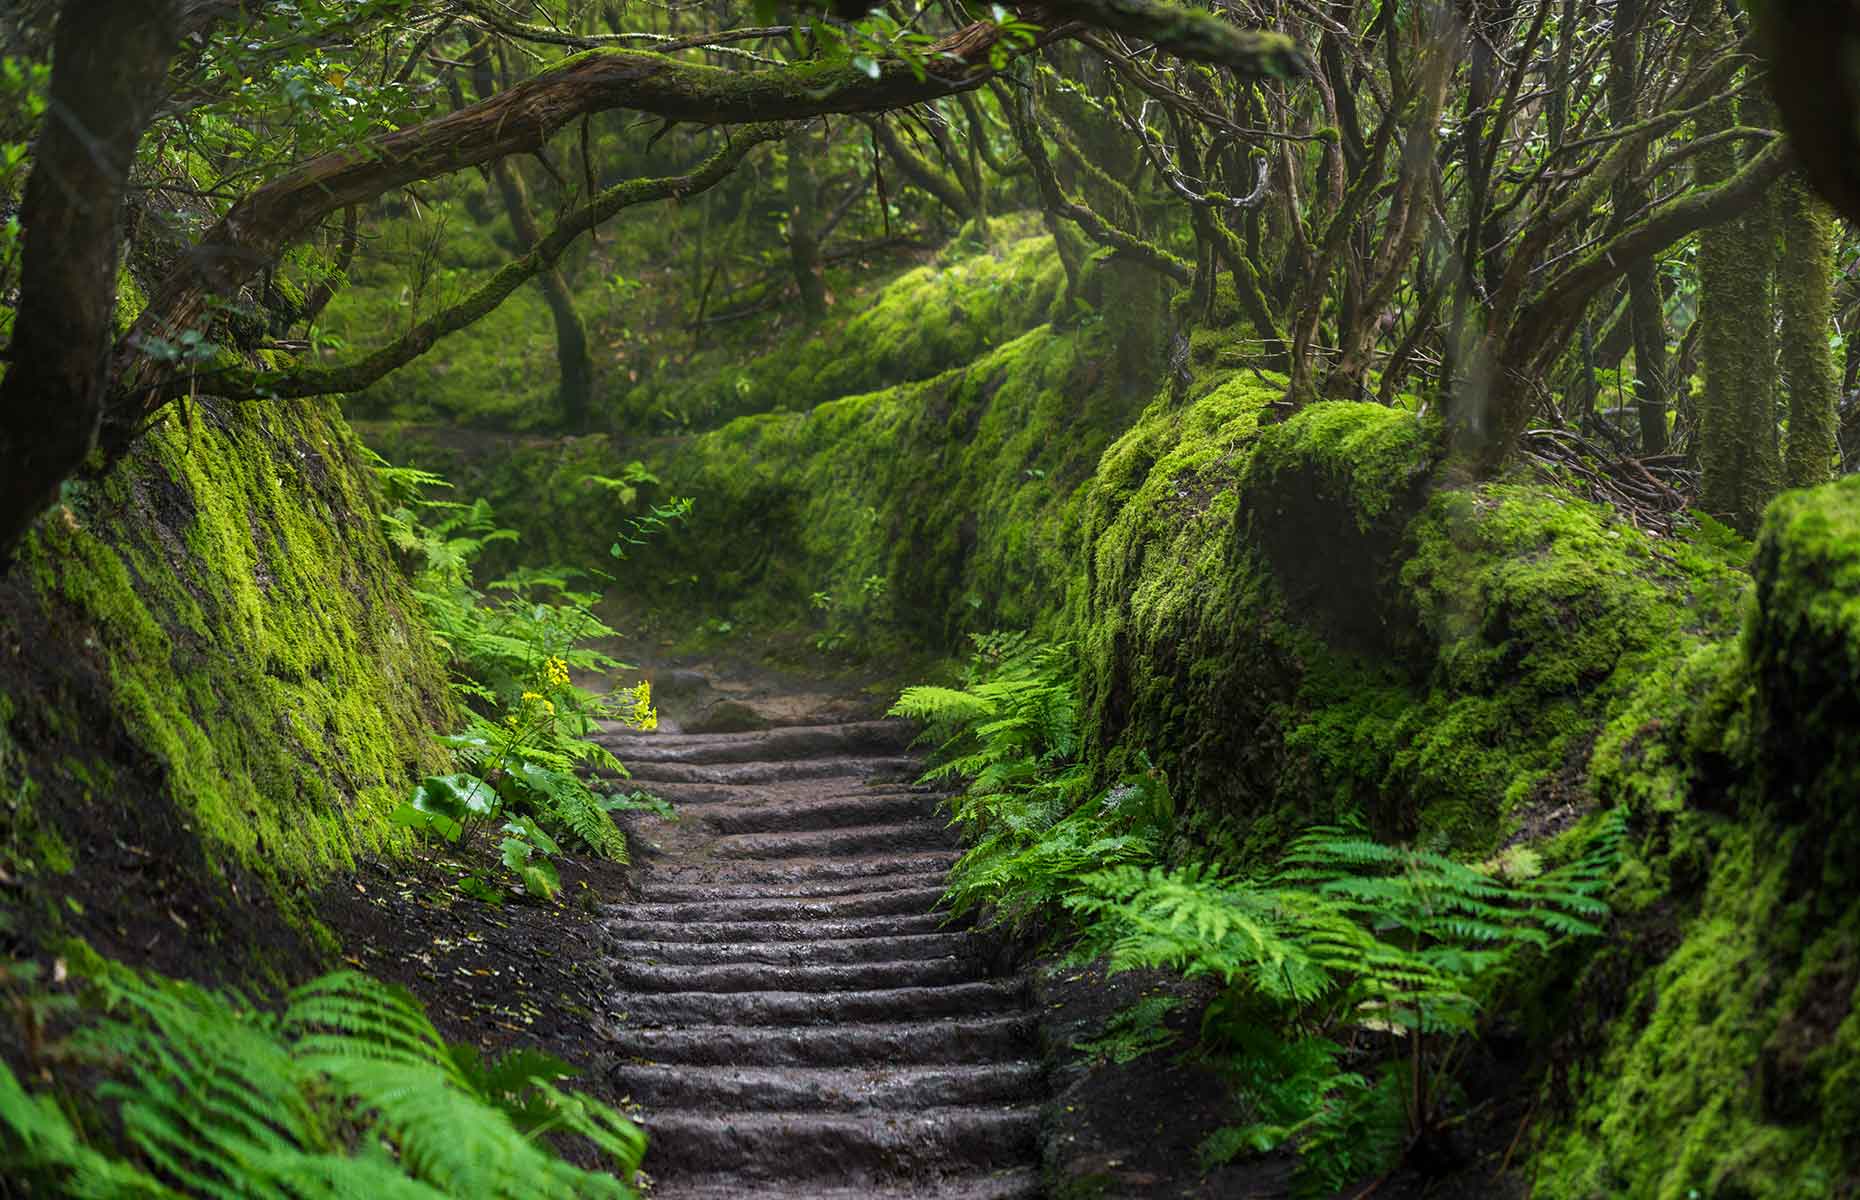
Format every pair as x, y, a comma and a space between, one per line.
737, 978
847, 768
768, 745
810, 951
793, 815
902, 902
827, 843
983, 998
839, 1044
702, 795
852, 866
843, 1147
892, 925
661, 891
1017, 1183
825, 1089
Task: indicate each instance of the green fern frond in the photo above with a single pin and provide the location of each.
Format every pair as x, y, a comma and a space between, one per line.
351, 1093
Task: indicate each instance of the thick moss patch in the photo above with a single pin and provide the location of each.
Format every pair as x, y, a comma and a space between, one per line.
219, 632
945, 313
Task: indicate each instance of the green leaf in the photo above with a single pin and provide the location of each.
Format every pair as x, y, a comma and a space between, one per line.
540, 879
864, 62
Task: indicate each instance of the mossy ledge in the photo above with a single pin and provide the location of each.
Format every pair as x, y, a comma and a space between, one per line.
214, 674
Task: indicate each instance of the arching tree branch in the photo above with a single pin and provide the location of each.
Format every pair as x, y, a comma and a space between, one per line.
349, 377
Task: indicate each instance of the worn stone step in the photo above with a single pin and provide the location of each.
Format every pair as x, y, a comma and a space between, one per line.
852, 866
902, 902
1018, 1183
825, 1089
826, 843
871, 767
844, 1147
839, 1044
661, 891
894, 925
801, 952
983, 998
807, 977
768, 745
792, 815
699, 796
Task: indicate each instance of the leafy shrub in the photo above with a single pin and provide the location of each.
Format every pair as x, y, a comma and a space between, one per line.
349, 1092
526, 755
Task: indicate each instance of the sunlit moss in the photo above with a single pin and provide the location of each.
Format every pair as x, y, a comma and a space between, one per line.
260, 645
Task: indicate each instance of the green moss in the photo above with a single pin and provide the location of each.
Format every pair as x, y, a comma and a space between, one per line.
1803, 643
1731, 1073
952, 491
914, 327
259, 645
1375, 454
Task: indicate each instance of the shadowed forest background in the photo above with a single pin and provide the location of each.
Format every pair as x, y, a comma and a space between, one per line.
1355, 496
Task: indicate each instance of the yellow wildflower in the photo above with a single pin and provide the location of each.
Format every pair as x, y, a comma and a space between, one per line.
542, 702
557, 669
644, 715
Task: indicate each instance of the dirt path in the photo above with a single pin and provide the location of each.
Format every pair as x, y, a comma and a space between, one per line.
797, 1020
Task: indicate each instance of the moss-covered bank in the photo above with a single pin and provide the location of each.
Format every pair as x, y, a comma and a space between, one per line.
216, 683
921, 512
951, 310
1308, 617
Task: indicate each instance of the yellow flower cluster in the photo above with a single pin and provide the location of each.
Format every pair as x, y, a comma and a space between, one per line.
557, 670
541, 701
644, 715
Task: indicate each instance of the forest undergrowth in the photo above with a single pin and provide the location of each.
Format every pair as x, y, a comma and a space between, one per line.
136, 1084
1351, 973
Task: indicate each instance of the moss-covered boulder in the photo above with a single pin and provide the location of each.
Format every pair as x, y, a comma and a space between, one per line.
1305, 618
212, 671
1728, 1064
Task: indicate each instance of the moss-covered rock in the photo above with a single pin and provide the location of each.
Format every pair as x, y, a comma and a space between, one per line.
213, 664
1727, 1065
1302, 619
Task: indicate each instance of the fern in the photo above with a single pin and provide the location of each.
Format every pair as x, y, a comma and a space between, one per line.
350, 1092
1348, 933
1134, 1032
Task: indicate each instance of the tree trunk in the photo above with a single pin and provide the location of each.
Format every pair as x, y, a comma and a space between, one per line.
1646, 309
803, 196
1805, 290
109, 64
1737, 414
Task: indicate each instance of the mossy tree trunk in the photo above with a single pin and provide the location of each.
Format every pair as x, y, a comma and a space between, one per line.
1805, 292
803, 196
1738, 456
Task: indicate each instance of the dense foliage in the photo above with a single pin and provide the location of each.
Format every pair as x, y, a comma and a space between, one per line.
348, 1091
1341, 937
